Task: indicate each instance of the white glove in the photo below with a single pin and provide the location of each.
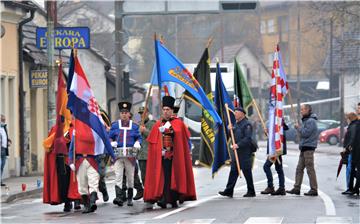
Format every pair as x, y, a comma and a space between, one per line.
72, 167
161, 129
137, 145
114, 144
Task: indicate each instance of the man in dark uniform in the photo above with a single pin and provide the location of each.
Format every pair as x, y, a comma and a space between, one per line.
242, 132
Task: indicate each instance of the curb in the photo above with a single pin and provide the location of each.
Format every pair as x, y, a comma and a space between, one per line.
20, 195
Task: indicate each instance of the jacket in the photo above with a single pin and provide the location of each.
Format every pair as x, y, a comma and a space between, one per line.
242, 133
143, 154
308, 132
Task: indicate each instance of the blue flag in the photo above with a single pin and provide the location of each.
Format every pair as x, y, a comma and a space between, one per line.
170, 69
221, 152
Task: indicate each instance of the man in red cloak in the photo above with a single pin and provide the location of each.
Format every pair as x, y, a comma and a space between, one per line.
169, 167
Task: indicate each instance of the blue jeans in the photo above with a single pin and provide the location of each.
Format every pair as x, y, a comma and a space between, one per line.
3, 160
348, 172
279, 170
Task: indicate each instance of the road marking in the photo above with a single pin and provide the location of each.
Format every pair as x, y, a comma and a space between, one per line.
201, 201
329, 204
8, 217
331, 219
37, 200
263, 220
196, 221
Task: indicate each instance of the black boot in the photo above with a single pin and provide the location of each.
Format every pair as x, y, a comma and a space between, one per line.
118, 199
130, 197
86, 203
103, 190
139, 194
67, 206
161, 203
268, 190
93, 198
77, 205
279, 191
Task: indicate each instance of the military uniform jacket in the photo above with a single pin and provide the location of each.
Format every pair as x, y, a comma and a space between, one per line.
125, 136
143, 154
242, 133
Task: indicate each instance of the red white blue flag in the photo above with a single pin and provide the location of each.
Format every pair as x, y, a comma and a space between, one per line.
91, 136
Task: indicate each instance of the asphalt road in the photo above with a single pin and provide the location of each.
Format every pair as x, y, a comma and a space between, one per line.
329, 207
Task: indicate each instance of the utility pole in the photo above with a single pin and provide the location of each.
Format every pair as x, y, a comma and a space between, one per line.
119, 57
51, 23
331, 75
298, 54
341, 81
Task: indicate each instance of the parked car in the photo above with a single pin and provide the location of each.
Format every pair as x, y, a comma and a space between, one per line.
331, 136
291, 134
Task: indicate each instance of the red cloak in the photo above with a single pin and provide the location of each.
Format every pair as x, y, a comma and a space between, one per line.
182, 176
51, 193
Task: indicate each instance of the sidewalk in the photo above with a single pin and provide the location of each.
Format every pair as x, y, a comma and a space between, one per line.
13, 189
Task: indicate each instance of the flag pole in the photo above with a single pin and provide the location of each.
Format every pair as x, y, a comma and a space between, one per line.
74, 153
292, 107
208, 44
159, 81
260, 116
233, 139
146, 104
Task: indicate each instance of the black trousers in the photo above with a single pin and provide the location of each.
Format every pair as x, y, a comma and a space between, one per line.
63, 171
102, 161
169, 196
142, 166
233, 176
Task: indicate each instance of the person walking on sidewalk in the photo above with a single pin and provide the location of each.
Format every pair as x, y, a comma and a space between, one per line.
308, 132
278, 167
5, 143
243, 147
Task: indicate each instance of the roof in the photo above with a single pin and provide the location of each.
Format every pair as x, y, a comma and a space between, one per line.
231, 51
70, 7
349, 59
39, 55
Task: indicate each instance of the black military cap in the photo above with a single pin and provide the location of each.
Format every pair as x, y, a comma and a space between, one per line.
240, 109
168, 101
124, 106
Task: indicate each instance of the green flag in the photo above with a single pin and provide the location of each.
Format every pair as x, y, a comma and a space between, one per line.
202, 75
242, 93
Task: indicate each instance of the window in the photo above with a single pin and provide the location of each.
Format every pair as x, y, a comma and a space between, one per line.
271, 26
270, 59
283, 22
263, 27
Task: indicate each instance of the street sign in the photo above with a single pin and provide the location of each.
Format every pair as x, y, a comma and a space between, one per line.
64, 37
38, 79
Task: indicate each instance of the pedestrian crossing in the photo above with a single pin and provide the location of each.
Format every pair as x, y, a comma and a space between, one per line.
272, 220
280, 220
